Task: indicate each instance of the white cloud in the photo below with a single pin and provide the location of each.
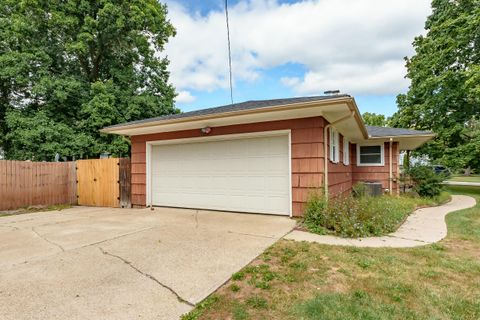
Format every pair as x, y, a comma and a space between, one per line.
184, 96
356, 46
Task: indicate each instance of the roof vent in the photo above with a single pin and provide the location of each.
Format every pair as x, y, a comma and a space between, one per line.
331, 92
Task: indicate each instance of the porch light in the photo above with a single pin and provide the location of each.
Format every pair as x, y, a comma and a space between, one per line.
206, 130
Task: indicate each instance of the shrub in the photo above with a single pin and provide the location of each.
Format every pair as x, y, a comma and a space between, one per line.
315, 217
425, 181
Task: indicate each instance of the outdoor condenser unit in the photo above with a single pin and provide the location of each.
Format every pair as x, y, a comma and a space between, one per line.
373, 189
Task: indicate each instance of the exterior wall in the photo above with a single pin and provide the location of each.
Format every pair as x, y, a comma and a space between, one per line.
307, 161
340, 175
380, 173
306, 151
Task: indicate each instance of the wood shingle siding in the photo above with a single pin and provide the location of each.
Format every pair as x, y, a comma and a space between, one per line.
307, 159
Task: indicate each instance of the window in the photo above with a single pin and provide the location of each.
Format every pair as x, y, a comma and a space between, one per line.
370, 155
346, 151
334, 146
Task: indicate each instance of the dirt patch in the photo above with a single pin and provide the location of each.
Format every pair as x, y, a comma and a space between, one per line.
32, 209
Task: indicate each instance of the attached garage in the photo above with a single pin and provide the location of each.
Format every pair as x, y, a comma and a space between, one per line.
243, 173
265, 156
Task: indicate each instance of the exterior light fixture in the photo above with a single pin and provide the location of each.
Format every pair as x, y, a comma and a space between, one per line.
206, 130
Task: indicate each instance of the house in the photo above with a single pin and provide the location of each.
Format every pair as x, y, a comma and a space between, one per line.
261, 156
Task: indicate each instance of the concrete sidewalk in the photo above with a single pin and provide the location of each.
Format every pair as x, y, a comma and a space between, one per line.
462, 183
424, 226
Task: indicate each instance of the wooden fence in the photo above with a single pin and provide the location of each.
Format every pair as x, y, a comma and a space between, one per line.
98, 182
24, 183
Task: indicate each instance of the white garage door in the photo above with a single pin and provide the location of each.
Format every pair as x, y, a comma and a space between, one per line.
244, 175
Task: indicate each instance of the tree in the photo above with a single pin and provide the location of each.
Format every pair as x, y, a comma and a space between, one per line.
444, 95
373, 119
71, 67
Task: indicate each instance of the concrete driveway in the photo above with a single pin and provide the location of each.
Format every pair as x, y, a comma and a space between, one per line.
103, 263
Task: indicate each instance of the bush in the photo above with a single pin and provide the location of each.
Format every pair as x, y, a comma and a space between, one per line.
425, 181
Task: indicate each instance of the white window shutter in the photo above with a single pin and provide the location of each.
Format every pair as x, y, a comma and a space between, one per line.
346, 151
337, 146
331, 136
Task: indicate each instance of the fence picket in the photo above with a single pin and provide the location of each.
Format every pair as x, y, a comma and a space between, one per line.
25, 184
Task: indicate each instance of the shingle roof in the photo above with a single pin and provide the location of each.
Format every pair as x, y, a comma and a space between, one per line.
392, 132
248, 105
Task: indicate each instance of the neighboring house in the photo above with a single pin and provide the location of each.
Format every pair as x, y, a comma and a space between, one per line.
261, 156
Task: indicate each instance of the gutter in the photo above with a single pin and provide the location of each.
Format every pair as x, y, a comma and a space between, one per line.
426, 135
325, 151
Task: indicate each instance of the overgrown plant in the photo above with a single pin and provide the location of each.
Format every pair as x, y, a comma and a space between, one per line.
359, 190
361, 215
425, 181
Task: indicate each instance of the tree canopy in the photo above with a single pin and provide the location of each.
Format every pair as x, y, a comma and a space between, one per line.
71, 67
444, 95
374, 119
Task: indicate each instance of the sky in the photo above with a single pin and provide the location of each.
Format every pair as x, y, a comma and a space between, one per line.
288, 48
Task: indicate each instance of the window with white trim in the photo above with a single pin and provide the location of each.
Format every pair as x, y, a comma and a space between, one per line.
346, 151
370, 155
334, 146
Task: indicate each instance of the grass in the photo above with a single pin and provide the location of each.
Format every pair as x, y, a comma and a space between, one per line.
313, 281
33, 209
363, 216
472, 178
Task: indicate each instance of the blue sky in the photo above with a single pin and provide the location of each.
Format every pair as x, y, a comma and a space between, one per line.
290, 48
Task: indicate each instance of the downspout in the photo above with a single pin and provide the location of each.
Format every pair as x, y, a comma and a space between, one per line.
325, 151
390, 172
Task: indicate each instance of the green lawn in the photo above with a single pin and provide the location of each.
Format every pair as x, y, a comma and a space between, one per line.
294, 280
472, 178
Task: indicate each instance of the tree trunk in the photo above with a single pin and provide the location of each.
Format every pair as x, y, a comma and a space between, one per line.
406, 160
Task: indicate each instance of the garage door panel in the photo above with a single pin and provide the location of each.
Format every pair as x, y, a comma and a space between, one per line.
276, 203
277, 164
276, 184
247, 175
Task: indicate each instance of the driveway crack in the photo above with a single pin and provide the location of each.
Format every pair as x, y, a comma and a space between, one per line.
116, 237
179, 298
390, 236
46, 240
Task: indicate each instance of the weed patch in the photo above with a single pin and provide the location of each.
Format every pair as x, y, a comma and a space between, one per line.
257, 302
362, 216
33, 209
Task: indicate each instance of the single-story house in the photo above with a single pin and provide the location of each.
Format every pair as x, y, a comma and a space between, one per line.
261, 156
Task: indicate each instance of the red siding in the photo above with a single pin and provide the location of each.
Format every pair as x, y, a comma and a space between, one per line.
307, 159
380, 173
339, 174
306, 148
